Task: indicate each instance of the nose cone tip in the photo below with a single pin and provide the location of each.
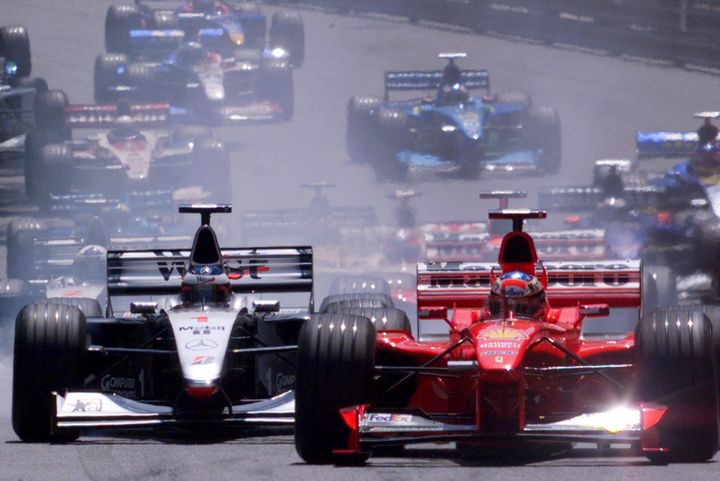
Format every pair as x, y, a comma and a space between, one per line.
201, 391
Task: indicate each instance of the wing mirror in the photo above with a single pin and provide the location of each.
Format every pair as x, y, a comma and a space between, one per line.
433, 313
144, 308
594, 310
266, 306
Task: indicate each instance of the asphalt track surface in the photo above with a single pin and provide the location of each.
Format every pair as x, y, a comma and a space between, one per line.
602, 101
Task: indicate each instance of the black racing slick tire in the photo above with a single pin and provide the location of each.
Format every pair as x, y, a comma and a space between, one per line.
335, 363
21, 235
676, 367
658, 287
54, 173
119, 20
213, 160
356, 284
89, 307
393, 136
15, 46
277, 86
544, 134
360, 132
50, 111
288, 32
383, 318
337, 302
49, 346
106, 75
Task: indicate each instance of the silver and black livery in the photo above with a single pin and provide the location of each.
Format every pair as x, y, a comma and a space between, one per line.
204, 341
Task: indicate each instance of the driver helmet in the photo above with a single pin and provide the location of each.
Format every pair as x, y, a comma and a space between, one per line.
205, 6
706, 160
451, 74
89, 264
124, 126
454, 94
518, 293
205, 284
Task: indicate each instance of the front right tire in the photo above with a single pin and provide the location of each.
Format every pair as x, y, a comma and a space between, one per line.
49, 345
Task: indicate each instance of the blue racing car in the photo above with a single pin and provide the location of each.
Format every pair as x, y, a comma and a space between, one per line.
149, 29
454, 132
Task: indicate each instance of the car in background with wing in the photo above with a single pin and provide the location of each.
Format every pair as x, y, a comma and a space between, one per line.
502, 379
454, 133
192, 338
134, 151
17, 88
201, 84
150, 29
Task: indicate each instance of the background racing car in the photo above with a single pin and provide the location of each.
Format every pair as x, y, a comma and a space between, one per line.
515, 371
134, 152
454, 133
17, 88
213, 347
140, 30
201, 83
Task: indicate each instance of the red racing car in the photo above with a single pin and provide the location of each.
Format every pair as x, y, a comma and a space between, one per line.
513, 369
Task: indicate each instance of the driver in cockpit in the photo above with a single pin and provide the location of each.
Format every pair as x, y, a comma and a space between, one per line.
452, 91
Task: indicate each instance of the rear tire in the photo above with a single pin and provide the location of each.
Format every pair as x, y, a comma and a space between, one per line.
119, 20
49, 347
54, 163
15, 46
288, 32
336, 357
393, 136
21, 235
384, 319
544, 134
277, 84
50, 111
106, 76
89, 307
338, 302
360, 133
676, 367
659, 288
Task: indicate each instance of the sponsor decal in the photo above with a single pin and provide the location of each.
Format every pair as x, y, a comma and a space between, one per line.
500, 345
166, 268
205, 280
402, 418
502, 333
284, 382
75, 293
201, 345
202, 360
197, 330
253, 269
200, 318
87, 406
497, 353
123, 386
499, 359
379, 418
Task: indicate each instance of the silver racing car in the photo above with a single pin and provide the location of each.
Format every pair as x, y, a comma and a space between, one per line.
205, 341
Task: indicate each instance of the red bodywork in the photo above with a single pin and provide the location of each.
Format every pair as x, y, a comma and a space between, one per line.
501, 381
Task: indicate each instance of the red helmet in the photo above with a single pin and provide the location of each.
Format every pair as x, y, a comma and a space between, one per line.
518, 293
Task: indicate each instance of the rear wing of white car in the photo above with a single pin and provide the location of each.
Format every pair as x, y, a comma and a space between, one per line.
104, 116
467, 284
251, 270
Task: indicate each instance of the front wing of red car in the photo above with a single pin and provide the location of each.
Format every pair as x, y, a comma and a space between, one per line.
624, 424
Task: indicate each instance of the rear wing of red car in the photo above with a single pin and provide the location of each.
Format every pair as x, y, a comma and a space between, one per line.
104, 116
251, 270
467, 284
